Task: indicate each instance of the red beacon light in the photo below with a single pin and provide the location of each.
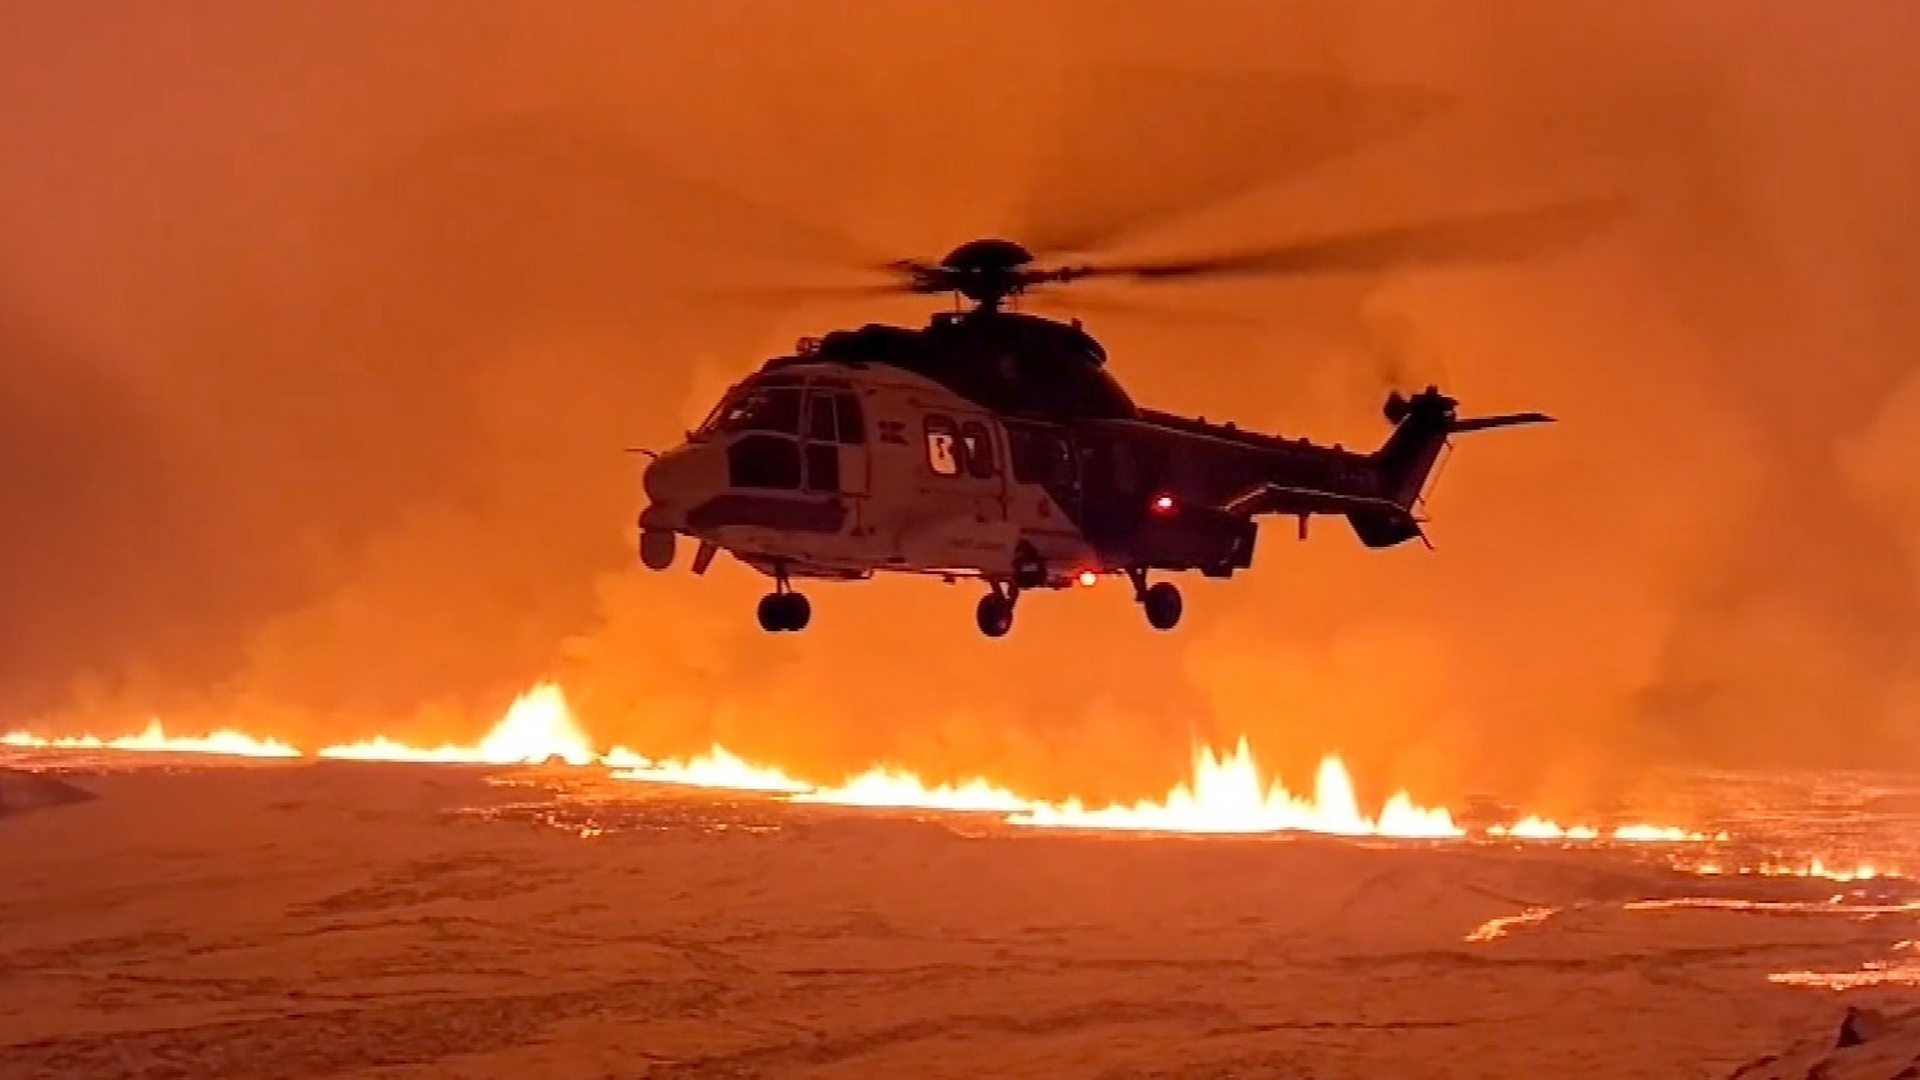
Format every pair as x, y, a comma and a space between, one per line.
1163, 504
1088, 578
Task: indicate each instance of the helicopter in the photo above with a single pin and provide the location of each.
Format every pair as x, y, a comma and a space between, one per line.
995, 445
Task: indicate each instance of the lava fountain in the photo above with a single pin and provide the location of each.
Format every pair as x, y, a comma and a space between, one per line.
538, 728
1229, 794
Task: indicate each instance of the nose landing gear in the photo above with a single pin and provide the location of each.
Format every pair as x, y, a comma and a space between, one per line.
783, 609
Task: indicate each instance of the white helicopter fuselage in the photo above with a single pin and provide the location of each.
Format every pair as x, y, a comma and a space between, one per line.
819, 470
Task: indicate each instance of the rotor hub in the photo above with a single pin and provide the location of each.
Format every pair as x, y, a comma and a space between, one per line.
986, 271
975, 255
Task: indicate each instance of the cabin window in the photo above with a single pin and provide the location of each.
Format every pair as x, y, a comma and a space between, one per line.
978, 444
847, 409
943, 446
820, 418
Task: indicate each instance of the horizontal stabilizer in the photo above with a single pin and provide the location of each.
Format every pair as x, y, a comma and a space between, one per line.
1287, 499
1481, 423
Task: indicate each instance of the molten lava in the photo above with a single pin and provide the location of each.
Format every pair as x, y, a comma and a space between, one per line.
892, 787
1496, 928
1230, 795
1661, 834
1536, 828
717, 768
1815, 867
1223, 792
1901, 970
538, 727
154, 739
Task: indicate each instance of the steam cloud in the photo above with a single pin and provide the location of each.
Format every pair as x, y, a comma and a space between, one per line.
323, 329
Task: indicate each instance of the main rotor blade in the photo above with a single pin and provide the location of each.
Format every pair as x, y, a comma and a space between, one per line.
1465, 240
1139, 146
1076, 303
803, 292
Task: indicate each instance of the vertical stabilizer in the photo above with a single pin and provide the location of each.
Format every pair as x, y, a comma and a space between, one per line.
1422, 425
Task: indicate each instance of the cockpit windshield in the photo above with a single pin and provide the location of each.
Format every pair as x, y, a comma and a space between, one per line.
756, 408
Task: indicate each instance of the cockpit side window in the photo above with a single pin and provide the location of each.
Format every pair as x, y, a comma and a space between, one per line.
760, 408
713, 416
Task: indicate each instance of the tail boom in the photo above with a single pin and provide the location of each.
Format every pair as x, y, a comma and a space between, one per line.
1405, 462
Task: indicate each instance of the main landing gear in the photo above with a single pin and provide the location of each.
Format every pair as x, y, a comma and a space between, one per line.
1161, 600
783, 609
995, 613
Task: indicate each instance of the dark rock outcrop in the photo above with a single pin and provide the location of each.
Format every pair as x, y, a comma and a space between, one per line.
1870, 1044
21, 791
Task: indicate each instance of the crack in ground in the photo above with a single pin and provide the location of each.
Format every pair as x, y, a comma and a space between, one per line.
341, 1040
833, 1049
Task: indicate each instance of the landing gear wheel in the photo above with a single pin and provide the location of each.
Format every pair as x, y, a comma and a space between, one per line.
799, 612
1163, 605
995, 615
773, 612
780, 611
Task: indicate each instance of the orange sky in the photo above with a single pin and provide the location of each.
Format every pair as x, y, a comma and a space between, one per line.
323, 326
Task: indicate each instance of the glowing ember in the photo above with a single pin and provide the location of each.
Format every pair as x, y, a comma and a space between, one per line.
1497, 928
622, 758
1229, 795
1903, 970
1816, 868
1873, 973
717, 768
886, 786
1535, 828
1662, 834
538, 727
1833, 906
154, 738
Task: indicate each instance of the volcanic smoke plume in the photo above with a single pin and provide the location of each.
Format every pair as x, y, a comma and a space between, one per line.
323, 328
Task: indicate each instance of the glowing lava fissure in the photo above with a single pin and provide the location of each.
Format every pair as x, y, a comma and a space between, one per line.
1229, 794
539, 727
717, 768
1815, 867
1223, 793
154, 739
